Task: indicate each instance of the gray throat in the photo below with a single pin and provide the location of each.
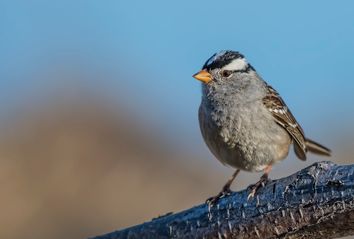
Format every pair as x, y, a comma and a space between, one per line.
234, 107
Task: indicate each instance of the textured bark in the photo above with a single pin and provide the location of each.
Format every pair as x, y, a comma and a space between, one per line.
316, 202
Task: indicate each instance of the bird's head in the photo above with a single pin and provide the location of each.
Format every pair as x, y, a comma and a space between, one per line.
222, 67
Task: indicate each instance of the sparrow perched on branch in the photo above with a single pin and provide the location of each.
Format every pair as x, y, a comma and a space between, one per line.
244, 121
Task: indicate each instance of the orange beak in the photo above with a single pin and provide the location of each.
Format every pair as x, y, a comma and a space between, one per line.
203, 76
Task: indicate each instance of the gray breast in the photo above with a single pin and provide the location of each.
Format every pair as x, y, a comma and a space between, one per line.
242, 134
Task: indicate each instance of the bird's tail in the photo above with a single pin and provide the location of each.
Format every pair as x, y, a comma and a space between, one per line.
316, 148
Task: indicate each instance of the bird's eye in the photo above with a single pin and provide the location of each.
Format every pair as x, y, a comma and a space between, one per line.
226, 73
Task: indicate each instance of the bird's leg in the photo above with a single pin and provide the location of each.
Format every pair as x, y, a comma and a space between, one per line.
262, 181
224, 191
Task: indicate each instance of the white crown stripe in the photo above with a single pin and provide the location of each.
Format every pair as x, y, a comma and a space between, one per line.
236, 65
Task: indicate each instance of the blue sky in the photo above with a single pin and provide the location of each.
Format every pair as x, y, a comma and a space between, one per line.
304, 49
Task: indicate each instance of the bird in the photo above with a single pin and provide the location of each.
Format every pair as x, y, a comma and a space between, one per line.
244, 121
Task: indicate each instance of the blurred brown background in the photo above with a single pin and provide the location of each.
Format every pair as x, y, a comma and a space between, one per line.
77, 166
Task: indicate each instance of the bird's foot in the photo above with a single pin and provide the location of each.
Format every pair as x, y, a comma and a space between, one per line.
255, 187
213, 200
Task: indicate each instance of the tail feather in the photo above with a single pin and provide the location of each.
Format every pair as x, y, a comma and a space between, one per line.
316, 148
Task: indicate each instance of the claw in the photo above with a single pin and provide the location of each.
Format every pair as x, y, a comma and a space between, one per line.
224, 192
213, 200
254, 188
251, 194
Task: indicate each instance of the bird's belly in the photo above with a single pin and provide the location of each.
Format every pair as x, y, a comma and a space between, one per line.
246, 144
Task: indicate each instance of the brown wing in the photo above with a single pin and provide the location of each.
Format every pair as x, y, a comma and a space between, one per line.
285, 118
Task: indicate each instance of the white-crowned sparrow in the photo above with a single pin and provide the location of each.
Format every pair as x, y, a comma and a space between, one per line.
244, 121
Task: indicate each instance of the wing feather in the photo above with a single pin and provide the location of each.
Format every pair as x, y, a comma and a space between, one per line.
285, 118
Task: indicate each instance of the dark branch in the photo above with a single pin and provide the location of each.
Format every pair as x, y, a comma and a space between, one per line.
316, 202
